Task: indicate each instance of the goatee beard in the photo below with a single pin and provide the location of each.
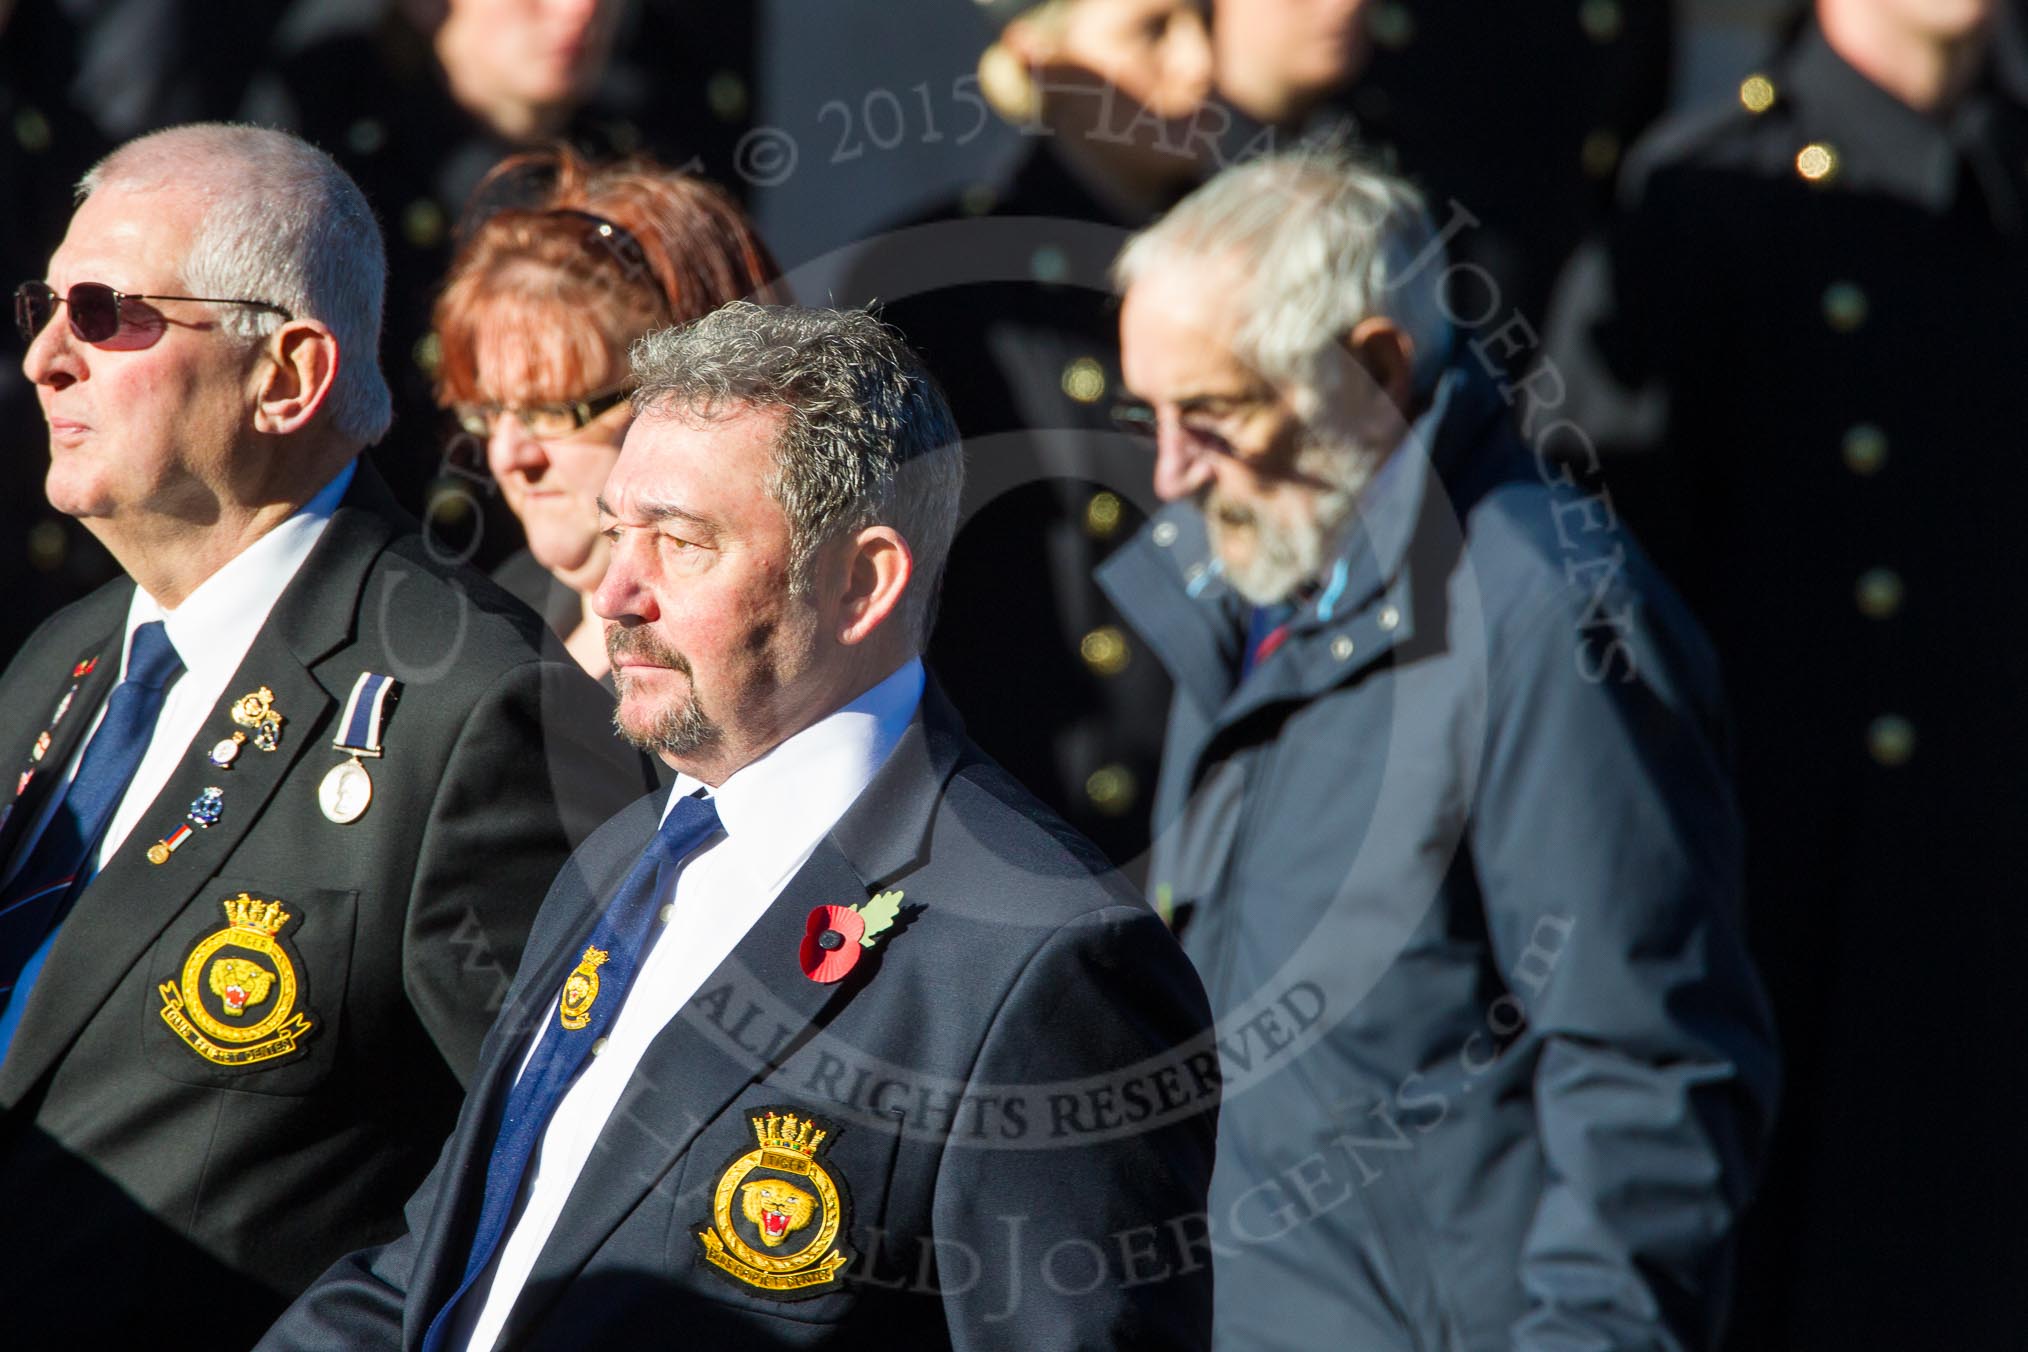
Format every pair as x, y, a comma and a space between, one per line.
678, 730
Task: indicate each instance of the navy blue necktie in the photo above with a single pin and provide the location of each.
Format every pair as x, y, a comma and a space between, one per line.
61, 864
622, 937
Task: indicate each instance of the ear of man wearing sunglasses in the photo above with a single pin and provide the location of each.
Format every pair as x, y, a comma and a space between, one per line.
281, 803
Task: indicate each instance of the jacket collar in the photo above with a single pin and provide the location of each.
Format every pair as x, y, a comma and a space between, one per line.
1887, 148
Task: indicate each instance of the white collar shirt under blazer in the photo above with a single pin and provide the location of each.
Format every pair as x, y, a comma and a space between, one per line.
775, 811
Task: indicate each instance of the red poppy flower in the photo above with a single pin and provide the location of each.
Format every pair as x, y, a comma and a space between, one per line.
831, 943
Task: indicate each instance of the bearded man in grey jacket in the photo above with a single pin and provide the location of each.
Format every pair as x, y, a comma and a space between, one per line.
1444, 817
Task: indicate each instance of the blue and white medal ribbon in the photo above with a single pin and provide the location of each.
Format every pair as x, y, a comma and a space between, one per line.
348, 789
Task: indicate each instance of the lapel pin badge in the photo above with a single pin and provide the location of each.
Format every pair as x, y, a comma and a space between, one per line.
47, 737
204, 812
258, 711
227, 750
835, 936
159, 852
206, 809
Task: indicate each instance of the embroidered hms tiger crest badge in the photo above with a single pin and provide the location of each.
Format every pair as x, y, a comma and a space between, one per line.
777, 1213
235, 1002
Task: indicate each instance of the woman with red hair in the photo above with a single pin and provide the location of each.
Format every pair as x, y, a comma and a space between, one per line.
533, 326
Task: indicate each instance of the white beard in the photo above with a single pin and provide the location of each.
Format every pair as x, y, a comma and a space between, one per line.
1273, 555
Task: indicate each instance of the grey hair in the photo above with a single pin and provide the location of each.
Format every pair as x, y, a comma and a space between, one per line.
1324, 242
281, 223
867, 437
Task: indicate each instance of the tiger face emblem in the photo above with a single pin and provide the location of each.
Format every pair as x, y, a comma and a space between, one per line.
778, 1209
240, 982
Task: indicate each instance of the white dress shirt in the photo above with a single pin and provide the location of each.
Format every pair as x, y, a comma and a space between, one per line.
774, 811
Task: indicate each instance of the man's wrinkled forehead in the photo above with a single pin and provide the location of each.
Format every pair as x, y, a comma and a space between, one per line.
1178, 330
680, 457
129, 240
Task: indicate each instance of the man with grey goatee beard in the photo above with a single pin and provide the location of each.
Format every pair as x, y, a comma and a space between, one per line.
844, 1041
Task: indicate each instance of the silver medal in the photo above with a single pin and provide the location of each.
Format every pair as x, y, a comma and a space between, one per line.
345, 793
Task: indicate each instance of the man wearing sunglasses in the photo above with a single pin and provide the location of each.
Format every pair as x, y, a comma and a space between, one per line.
284, 800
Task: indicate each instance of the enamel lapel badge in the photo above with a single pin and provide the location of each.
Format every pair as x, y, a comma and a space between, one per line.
39, 748
203, 813
258, 711
777, 1212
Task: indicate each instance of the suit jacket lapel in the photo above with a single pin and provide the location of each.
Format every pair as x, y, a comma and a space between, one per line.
708, 1055
84, 694
120, 916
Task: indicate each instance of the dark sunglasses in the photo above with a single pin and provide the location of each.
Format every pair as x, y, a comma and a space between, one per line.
95, 308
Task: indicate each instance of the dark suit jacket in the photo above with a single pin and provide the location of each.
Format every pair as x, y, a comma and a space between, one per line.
1014, 1083
208, 1194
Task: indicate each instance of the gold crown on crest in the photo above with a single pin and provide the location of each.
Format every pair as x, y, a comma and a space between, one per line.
788, 1133
250, 913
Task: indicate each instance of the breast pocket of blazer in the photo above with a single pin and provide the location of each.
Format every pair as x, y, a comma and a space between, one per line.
246, 987
777, 1202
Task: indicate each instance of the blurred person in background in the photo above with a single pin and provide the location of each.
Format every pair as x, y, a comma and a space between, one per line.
1004, 294
419, 99
533, 326
1796, 355
1512, 117
1281, 61
522, 67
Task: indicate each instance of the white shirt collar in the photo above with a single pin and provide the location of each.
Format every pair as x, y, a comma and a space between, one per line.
218, 622
794, 794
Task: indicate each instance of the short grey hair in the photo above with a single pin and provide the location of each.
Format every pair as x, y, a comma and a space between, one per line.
867, 438
281, 223
1324, 242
